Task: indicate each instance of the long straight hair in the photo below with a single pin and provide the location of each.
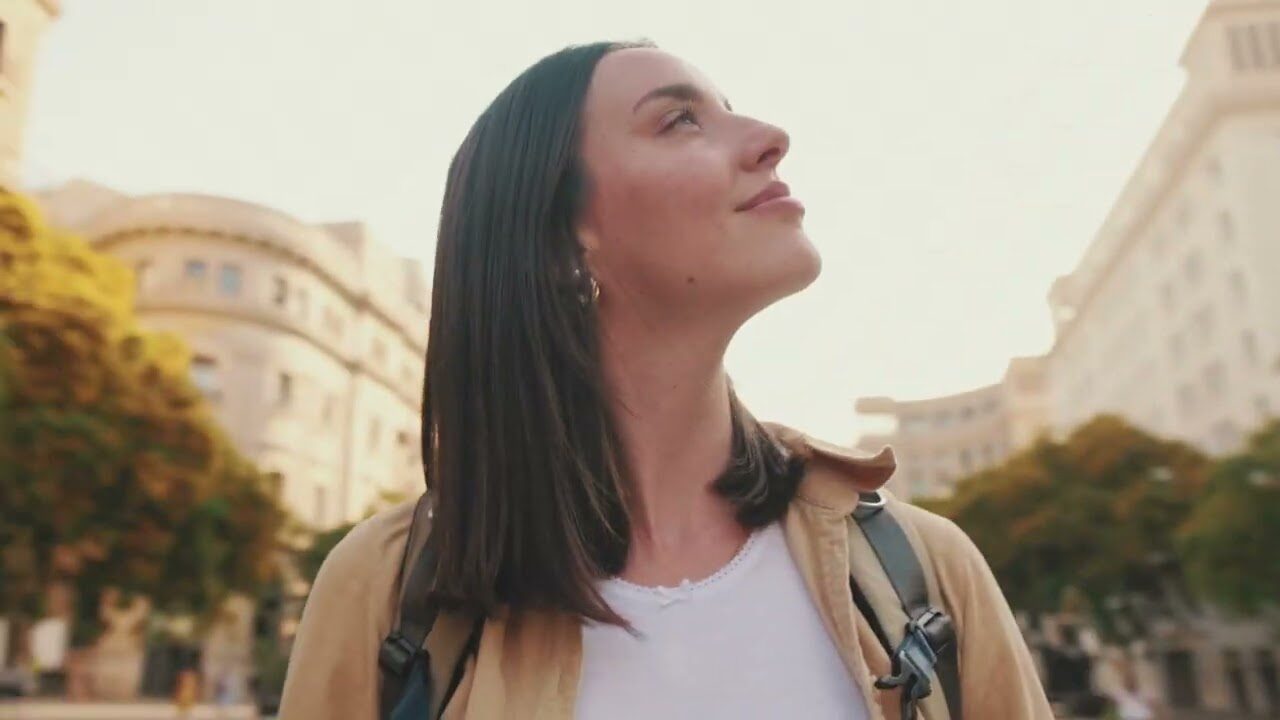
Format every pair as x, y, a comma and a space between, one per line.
527, 470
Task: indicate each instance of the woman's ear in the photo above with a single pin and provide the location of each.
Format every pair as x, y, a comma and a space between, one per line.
588, 238
589, 244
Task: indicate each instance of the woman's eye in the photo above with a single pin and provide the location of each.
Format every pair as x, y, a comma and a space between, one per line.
684, 117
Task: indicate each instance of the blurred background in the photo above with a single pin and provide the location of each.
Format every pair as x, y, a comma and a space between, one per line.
1050, 235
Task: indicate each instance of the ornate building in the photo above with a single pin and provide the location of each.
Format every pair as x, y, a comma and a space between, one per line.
308, 339
1172, 317
940, 440
22, 22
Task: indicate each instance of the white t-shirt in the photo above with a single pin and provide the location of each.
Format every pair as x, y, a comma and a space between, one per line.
745, 643
1132, 705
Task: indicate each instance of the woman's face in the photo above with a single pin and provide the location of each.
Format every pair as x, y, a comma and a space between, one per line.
677, 222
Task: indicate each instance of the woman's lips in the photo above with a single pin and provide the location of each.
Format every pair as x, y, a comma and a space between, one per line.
775, 195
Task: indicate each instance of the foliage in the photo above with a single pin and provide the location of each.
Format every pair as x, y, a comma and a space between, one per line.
310, 560
1230, 540
1096, 513
112, 469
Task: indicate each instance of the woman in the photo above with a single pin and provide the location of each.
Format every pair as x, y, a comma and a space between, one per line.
637, 545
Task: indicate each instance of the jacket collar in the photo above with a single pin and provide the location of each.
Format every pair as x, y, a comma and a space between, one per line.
835, 476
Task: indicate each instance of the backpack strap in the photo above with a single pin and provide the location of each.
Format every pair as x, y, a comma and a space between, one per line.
405, 663
929, 641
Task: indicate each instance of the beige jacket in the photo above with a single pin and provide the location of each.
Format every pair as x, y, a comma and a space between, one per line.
528, 663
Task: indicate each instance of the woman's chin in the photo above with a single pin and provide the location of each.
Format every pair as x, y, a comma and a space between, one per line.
793, 270
804, 263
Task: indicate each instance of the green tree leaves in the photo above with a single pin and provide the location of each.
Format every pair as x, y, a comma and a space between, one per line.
113, 471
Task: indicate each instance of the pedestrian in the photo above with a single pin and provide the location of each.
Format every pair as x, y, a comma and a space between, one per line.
186, 691
1130, 701
609, 532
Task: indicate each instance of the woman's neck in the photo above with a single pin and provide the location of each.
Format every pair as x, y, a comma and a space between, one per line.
671, 404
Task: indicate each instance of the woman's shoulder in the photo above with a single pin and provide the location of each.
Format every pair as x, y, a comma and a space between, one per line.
945, 540
840, 475
367, 561
333, 665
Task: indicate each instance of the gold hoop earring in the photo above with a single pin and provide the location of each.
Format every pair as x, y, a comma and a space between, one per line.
588, 290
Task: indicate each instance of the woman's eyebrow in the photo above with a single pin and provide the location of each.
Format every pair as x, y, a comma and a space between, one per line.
679, 91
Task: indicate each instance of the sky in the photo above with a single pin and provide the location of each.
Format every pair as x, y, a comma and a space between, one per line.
954, 157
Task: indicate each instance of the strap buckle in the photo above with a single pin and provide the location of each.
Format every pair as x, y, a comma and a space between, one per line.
397, 654
926, 636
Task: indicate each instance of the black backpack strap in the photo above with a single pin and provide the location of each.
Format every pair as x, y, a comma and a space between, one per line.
929, 640
402, 651
405, 663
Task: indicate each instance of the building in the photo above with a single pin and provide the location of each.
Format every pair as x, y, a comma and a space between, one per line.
22, 22
308, 340
1172, 317
940, 440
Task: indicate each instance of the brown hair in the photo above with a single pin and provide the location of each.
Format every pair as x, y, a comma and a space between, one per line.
525, 463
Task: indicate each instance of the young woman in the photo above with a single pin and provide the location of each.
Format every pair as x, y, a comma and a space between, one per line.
636, 543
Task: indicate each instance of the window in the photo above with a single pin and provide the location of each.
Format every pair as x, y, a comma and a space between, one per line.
326, 415
1168, 295
1215, 379
1226, 229
284, 389
229, 280
1213, 169
1250, 343
1239, 290
1225, 436
1186, 398
1255, 46
1204, 322
1247, 48
280, 292
332, 322
912, 423
1182, 217
1193, 268
195, 270
141, 269
403, 439
1273, 37
1235, 41
204, 375
1265, 660
320, 506
1235, 680
1176, 347
280, 483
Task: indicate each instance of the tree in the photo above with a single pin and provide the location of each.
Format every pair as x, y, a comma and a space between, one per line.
1230, 541
112, 469
310, 559
319, 544
1095, 513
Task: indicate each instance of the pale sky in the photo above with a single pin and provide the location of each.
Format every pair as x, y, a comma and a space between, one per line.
954, 157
